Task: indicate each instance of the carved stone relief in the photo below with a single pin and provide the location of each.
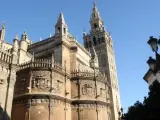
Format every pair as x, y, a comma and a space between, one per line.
41, 79
88, 90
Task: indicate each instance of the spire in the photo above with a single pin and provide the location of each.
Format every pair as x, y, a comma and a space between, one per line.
3, 25
61, 26
2, 31
16, 37
40, 39
95, 12
24, 36
61, 19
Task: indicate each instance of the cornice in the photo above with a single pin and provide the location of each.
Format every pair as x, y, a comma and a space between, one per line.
75, 102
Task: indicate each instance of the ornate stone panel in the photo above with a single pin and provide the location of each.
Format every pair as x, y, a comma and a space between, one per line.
87, 89
41, 80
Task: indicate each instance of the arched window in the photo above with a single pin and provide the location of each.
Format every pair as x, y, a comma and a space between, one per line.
95, 25
94, 15
94, 41
90, 44
58, 30
99, 40
86, 44
64, 30
102, 39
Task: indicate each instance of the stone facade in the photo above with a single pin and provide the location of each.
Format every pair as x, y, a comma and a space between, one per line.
57, 78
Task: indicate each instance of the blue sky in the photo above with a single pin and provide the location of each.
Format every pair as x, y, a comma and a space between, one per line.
130, 23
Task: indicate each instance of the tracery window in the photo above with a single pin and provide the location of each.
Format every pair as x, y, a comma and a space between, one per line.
64, 30
99, 40
94, 41
86, 44
95, 25
102, 39
58, 30
90, 44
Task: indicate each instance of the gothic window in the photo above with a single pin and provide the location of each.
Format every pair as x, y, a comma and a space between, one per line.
64, 30
86, 44
102, 39
58, 30
103, 61
95, 25
94, 41
90, 44
94, 15
99, 40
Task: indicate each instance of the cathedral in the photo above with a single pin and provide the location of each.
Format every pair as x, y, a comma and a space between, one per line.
58, 78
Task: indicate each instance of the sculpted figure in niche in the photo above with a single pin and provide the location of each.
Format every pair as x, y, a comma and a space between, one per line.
102, 92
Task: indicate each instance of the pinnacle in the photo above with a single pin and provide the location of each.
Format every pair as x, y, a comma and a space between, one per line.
95, 12
3, 24
16, 37
25, 33
61, 19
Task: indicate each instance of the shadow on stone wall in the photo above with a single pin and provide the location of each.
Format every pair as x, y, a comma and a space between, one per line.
3, 115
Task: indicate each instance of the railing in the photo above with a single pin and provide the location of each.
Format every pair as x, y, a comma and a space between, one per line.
43, 63
85, 73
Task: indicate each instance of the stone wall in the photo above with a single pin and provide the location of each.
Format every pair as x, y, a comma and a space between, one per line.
7, 81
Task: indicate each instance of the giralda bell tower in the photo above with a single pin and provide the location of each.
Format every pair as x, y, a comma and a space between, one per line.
103, 45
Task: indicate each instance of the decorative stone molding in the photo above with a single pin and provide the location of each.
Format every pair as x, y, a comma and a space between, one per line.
92, 102
41, 79
92, 106
40, 98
